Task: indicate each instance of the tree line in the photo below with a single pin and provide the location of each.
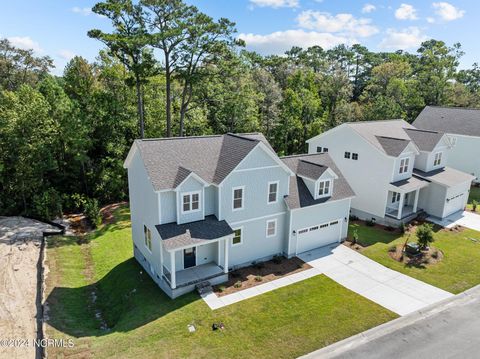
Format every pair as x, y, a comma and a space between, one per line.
167, 69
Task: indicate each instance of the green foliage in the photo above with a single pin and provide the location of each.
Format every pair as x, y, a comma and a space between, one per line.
92, 212
48, 204
424, 235
355, 236
474, 205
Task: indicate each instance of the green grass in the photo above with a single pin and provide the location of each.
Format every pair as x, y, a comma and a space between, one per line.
474, 195
459, 270
144, 322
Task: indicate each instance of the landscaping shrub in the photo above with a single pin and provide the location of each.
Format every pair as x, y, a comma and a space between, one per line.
402, 227
221, 288
370, 222
92, 212
474, 205
424, 235
355, 236
258, 278
237, 284
392, 249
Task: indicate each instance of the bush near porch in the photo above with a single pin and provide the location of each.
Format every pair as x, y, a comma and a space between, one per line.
474, 196
143, 322
458, 271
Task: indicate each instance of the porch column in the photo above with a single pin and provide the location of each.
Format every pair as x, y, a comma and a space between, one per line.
400, 205
161, 260
225, 260
415, 202
173, 282
219, 252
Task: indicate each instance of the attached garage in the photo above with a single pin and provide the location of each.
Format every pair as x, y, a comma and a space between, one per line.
455, 203
318, 235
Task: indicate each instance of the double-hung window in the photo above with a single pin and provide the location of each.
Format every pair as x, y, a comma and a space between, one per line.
237, 236
404, 162
147, 237
237, 198
271, 228
190, 202
272, 192
395, 197
438, 159
324, 188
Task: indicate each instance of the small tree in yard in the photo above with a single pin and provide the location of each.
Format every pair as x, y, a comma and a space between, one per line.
424, 235
474, 205
355, 236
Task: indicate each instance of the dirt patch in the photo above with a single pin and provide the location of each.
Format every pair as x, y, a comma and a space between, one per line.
455, 229
357, 246
107, 212
428, 257
260, 273
20, 242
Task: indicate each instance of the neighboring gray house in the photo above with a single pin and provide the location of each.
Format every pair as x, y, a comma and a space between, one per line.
201, 206
396, 170
463, 127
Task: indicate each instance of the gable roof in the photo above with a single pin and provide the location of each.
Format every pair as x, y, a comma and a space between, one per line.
310, 169
455, 120
299, 195
169, 161
392, 146
424, 139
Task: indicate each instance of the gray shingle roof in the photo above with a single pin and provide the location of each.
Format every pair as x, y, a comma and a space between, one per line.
410, 184
392, 146
424, 139
446, 176
300, 196
456, 120
194, 233
169, 161
310, 169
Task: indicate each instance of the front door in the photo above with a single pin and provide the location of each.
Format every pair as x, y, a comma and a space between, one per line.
189, 258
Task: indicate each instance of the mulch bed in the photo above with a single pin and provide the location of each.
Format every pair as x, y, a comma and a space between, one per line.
249, 277
426, 257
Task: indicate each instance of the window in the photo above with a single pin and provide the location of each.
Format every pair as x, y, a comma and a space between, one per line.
355, 156
322, 150
191, 202
395, 197
325, 150
271, 227
333, 223
303, 231
324, 188
324, 225
319, 149
237, 198
347, 154
404, 165
272, 192
438, 159
314, 228
237, 237
148, 237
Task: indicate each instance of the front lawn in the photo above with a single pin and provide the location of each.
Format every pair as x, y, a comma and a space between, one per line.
97, 283
474, 195
459, 269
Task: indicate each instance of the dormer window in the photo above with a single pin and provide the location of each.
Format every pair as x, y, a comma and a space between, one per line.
438, 159
324, 188
404, 165
190, 202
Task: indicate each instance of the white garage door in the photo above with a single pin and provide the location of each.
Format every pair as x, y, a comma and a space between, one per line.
454, 204
318, 235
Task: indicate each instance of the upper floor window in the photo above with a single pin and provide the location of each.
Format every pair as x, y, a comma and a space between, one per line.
322, 149
147, 237
271, 228
355, 156
324, 188
347, 154
237, 236
190, 202
319, 149
272, 192
404, 165
438, 159
237, 198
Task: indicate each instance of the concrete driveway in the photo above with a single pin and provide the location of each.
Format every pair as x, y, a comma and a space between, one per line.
390, 289
465, 219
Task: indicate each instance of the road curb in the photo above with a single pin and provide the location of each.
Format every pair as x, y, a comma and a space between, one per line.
338, 348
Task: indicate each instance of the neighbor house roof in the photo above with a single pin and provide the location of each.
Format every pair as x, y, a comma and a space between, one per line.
299, 195
169, 161
456, 120
175, 236
446, 176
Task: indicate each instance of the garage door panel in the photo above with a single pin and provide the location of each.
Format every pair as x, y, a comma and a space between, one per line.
318, 236
454, 204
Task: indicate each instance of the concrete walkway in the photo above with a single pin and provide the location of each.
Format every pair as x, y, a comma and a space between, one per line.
215, 302
464, 219
390, 289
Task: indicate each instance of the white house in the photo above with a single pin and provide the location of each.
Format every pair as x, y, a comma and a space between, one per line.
396, 170
463, 127
201, 206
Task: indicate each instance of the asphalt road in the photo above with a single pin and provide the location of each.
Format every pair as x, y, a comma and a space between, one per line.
450, 330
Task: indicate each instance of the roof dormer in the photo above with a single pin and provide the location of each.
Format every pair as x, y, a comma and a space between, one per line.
319, 179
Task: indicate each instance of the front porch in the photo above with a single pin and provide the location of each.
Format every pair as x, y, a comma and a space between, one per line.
402, 199
407, 211
194, 275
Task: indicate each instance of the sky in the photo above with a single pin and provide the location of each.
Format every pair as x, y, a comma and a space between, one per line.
58, 28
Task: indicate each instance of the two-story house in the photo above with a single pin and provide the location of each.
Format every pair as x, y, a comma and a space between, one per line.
396, 170
201, 206
463, 127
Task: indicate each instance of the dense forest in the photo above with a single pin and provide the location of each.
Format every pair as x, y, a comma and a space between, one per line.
169, 70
